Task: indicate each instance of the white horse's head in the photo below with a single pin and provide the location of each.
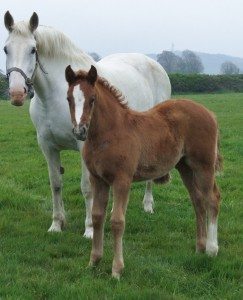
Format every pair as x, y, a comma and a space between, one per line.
21, 56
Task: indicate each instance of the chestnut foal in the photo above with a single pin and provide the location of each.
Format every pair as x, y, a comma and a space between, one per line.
123, 146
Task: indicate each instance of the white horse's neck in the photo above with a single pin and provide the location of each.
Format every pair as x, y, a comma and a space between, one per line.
56, 52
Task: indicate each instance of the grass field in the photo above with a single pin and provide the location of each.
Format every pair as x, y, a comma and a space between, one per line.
159, 249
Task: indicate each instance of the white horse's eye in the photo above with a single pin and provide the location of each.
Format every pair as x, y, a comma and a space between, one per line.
33, 50
5, 50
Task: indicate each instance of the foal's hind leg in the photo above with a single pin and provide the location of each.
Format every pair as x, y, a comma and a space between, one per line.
206, 184
148, 200
198, 203
213, 210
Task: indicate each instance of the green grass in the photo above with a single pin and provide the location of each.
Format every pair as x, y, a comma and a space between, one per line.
159, 249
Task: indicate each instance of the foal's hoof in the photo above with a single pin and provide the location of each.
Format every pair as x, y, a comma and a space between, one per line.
201, 246
94, 263
116, 275
56, 226
117, 269
88, 234
212, 249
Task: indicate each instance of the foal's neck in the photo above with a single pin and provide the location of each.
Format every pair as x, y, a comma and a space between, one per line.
108, 114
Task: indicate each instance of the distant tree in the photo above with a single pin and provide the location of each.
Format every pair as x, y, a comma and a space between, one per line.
95, 56
3, 86
171, 62
229, 68
192, 62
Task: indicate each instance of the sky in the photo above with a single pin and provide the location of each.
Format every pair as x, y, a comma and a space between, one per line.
146, 26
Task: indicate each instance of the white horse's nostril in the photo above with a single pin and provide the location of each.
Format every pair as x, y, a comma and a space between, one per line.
83, 130
17, 91
17, 96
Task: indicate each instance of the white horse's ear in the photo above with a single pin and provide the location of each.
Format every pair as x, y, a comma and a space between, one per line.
70, 75
8, 21
34, 22
92, 75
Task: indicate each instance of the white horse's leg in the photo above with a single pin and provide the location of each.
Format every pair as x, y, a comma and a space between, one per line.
54, 164
148, 200
87, 193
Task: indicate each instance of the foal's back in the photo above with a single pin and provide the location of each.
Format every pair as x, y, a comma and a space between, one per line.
170, 131
191, 122
187, 114
184, 118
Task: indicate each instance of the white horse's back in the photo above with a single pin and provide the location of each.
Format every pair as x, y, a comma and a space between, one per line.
142, 80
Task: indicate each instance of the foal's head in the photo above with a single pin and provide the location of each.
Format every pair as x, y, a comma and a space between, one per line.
84, 83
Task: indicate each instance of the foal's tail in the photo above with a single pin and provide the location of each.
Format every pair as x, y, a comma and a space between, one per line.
219, 158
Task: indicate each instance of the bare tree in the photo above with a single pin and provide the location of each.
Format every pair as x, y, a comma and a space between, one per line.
229, 68
170, 62
192, 62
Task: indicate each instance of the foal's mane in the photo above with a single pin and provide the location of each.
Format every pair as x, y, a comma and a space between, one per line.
114, 91
53, 43
82, 75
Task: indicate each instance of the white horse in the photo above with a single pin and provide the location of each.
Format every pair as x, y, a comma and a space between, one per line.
37, 58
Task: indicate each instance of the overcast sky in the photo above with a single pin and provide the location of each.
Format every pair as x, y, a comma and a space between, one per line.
147, 26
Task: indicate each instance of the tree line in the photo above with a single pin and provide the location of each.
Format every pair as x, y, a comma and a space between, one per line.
180, 69
190, 63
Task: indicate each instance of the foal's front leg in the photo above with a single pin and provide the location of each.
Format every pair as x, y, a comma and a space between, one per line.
101, 194
121, 194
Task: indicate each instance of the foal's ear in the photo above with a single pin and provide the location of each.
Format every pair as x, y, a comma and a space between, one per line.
92, 75
34, 22
70, 75
8, 21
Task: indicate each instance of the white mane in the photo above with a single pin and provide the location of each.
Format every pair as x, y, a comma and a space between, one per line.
52, 43
21, 28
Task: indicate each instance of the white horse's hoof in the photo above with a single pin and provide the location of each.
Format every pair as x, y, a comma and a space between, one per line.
148, 209
88, 233
56, 226
212, 249
148, 202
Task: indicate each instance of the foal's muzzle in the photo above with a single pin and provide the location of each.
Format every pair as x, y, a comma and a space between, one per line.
80, 132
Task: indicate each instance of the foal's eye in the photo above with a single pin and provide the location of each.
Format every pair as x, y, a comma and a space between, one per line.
33, 50
5, 50
92, 99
